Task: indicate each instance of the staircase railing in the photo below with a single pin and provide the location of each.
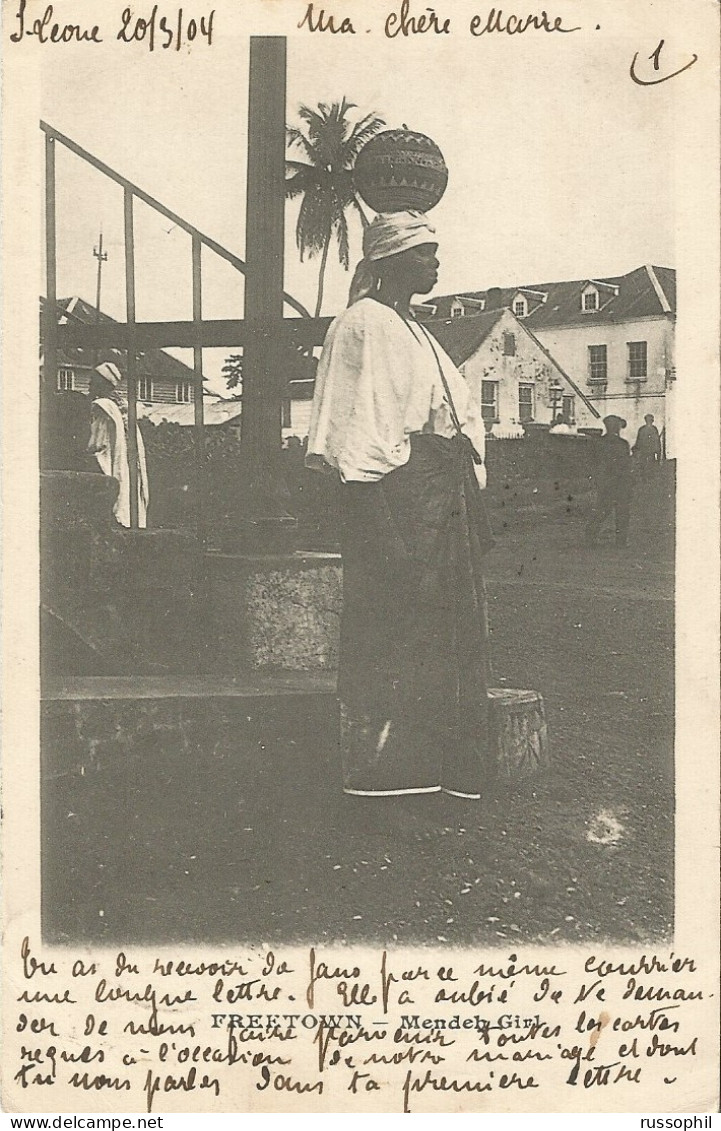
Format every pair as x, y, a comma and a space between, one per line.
133, 336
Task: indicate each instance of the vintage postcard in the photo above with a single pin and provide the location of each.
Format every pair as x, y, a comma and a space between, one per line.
360, 616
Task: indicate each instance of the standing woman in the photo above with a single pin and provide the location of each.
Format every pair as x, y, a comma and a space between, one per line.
394, 419
109, 441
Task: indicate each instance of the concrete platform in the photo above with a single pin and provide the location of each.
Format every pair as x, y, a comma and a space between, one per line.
275, 611
257, 684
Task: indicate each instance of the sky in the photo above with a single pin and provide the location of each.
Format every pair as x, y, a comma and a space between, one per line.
560, 167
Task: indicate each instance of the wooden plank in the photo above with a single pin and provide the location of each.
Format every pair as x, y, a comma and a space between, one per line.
214, 333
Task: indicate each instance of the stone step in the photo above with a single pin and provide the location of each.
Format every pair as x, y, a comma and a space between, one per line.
114, 715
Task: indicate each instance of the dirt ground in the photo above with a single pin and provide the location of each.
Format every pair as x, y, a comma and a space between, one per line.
252, 840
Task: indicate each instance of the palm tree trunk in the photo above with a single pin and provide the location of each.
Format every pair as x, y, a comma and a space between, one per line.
321, 275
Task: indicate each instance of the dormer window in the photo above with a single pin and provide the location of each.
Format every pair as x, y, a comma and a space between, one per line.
457, 309
589, 300
520, 306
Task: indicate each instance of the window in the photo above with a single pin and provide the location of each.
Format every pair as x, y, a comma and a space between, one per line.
509, 345
457, 310
489, 400
569, 410
184, 392
145, 388
589, 301
637, 361
597, 363
520, 307
66, 380
525, 403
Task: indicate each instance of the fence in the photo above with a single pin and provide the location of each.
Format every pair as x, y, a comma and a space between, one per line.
523, 474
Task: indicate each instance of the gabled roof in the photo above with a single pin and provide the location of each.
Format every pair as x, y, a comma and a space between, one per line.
461, 337
638, 297
151, 363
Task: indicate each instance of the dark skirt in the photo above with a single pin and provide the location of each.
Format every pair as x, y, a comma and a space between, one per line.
414, 657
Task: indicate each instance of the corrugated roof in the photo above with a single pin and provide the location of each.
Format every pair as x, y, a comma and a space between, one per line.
636, 298
214, 413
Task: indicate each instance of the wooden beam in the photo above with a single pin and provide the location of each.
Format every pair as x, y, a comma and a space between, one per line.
260, 434
209, 334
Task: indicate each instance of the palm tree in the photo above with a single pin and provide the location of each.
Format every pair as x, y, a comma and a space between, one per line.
330, 144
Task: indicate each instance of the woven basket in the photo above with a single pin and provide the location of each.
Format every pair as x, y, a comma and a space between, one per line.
400, 170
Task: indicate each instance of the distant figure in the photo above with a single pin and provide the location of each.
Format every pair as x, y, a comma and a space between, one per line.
647, 448
560, 426
109, 441
614, 483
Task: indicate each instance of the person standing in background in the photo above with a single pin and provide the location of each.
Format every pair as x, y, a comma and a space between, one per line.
109, 442
614, 483
647, 448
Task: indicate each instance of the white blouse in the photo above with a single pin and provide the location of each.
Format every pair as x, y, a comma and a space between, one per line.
377, 382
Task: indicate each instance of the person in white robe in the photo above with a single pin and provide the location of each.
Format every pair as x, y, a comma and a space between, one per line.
109, 442
395, 421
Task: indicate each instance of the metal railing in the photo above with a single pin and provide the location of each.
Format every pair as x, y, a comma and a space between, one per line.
133, 336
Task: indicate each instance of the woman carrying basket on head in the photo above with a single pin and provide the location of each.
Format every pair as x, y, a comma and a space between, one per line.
395, 420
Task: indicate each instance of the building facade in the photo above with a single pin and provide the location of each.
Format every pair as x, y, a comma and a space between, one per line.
161, 378
614, 337
514, 379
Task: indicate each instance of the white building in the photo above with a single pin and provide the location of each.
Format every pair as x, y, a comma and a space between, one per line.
511, 373
614, 337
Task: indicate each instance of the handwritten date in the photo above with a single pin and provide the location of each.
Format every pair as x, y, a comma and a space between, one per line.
153, 28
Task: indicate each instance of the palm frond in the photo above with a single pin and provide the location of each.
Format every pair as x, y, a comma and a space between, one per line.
340, 227
359, 137
324, 182
364, 219
313, 224
294, 136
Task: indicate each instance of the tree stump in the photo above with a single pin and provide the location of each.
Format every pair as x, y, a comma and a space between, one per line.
518, 723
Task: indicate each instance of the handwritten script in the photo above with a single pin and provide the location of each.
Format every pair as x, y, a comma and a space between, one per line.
153, 28
315, 1024
404, 21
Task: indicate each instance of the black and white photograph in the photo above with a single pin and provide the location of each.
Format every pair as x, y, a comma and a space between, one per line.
367, 447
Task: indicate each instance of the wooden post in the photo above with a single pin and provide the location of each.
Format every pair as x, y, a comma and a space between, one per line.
264, 243
199, 414
131, 359
262, 354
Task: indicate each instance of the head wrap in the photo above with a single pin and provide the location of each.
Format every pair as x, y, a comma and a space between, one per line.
388, 234
110, 373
